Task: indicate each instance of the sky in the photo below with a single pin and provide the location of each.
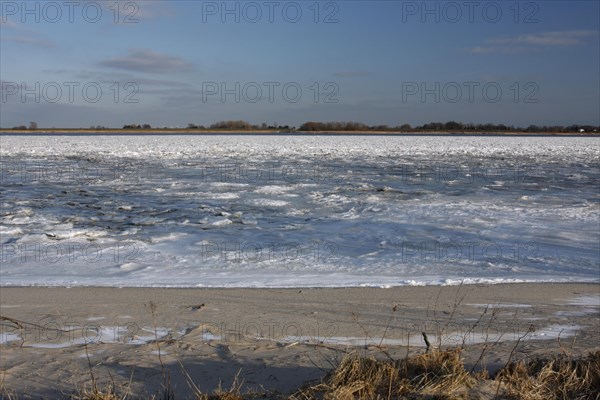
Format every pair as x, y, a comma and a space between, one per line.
171, 63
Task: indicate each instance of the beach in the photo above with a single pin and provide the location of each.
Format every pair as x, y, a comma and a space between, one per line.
274, 339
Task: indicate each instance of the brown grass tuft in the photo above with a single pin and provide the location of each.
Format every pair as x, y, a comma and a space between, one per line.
96, 394
6, 393
557, 378
434, 375
438, 374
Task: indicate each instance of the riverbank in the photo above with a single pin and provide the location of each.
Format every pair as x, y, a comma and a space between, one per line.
274, 339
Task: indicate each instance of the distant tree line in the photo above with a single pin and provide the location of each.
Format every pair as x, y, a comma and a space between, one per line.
32, 127
333, 126
134, 126
441, 126
242, 125
459, 126
337, 126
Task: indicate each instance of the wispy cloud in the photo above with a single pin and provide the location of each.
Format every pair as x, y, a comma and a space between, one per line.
24, 35
144, 60
129, 13
29, 40
114, 77
148, 9
7, 23
531, 41
351, 74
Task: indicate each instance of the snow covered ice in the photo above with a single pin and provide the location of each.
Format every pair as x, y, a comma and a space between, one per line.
293, 211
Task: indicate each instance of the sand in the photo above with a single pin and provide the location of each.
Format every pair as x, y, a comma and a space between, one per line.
273, 339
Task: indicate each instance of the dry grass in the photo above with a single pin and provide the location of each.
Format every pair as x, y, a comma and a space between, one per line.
434, 375
234, 393
557, 378
96, 394
6, 393
440, 374
222, 396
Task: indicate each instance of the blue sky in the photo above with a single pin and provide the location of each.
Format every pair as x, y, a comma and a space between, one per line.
170, 63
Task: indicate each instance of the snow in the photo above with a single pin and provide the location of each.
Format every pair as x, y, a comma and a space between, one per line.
298, 211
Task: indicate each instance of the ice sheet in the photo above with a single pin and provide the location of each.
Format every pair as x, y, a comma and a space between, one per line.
297, 211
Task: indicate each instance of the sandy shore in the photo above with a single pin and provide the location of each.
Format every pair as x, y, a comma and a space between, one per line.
276, 339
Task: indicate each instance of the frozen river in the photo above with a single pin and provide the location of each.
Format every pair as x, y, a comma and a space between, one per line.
293, 211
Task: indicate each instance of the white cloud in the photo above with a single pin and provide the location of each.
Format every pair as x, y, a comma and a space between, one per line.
144, 60
532, 41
